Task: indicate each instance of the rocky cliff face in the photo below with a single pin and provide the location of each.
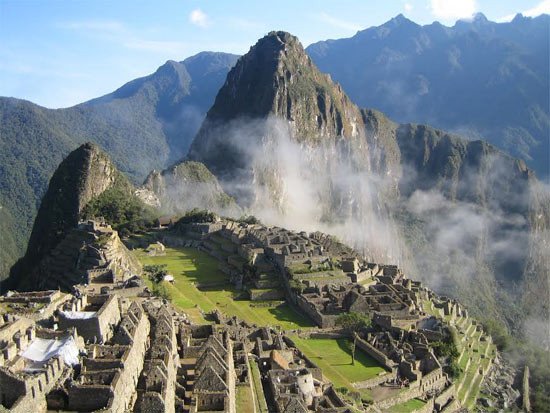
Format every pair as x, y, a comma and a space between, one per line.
473, 220
83, 175
285, 140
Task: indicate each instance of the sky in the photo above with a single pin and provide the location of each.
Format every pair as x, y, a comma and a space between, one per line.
58, 53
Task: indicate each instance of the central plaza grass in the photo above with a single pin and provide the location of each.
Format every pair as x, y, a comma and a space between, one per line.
334, 358
200, 285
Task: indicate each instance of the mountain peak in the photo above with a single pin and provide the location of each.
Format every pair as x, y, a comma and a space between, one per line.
276, 78
480, 18
397, 21
251, 86
82, 176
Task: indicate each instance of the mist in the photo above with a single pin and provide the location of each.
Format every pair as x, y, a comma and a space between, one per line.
452, 236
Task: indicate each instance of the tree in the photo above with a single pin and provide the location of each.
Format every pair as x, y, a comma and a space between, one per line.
155, 273
353, 323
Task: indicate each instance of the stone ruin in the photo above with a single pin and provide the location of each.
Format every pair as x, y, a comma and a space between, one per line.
136, 353
90, 253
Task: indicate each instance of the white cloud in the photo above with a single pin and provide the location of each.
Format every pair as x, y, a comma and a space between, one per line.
199, 18
339, 23
452, 9
408, 7
157, 46
93, 25
542, 8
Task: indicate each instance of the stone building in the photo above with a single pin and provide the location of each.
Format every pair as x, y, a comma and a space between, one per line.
208, 370
156, 385
110, 371
93, 316
33, 360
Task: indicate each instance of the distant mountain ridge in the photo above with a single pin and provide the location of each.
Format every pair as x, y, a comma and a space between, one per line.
146, 124
478, 78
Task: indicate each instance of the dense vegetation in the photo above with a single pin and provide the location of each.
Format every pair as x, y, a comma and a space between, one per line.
197, 216
123, 210
156, 274
353, 322
448, 348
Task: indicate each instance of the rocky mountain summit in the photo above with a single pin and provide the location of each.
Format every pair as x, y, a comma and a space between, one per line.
274, 79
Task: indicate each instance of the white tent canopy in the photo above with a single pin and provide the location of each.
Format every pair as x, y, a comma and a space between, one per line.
78, 315
42, 349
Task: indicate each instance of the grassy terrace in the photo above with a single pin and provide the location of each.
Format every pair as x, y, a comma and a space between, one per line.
408, 406
471, 381
469, 377
244, 399
261, 405
191, 267
334, 358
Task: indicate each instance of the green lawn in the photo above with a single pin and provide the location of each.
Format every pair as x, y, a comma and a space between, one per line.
334, 358
191, 267
408, 406
261, 404
244, 400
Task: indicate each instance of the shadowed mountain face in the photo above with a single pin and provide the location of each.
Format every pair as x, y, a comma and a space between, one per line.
461, 215
481, 79
146, 124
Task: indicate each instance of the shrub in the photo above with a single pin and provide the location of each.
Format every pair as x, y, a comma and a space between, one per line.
197, 216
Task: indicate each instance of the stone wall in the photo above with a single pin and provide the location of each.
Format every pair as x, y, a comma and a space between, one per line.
322, 320
25, 393
375, 381
266, 294
375, 354
156, 386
